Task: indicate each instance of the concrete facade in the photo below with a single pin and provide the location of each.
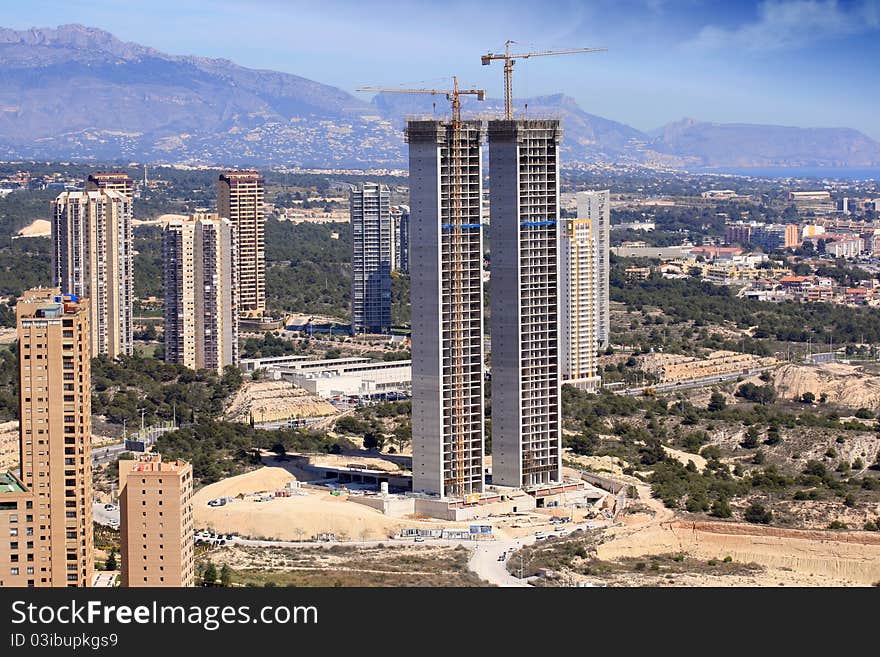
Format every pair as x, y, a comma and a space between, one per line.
93, 241
446, 265
56, 433
524, 206
156, 522
596, 206
372, 259
201, 318
578, 301
18, 547
240, 198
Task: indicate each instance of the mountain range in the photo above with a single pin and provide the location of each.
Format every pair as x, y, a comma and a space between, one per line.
77, 92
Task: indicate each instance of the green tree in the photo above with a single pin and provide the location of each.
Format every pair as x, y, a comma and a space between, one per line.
721, 508
374, 440
226, 576
716, 402
808, 398
209, 575
110, 564
758, 513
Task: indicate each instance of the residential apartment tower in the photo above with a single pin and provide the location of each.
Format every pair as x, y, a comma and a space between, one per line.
156, 522
55, 435
240, 198
373, 254
94, 259
201, 322
596, 207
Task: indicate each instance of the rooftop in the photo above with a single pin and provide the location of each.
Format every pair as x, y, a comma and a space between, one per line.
9, 484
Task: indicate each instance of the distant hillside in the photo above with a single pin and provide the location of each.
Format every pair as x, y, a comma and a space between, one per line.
744, 145
80, 93
586, 137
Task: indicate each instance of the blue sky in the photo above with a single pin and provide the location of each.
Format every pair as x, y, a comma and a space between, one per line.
790, 62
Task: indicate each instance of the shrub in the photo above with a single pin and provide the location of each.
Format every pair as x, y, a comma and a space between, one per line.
757, 513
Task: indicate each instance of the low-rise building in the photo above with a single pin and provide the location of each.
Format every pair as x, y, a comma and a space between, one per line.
156, 522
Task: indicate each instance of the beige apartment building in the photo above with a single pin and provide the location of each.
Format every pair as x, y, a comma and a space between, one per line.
56, 433
92, 238
240, 198
18, 540
156, 522
578, 304
201, 321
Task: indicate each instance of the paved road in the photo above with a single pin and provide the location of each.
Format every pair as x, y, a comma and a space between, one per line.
695, 383
484, 562
108, 453
104, 517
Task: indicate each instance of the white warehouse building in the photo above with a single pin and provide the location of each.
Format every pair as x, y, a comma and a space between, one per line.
343, 379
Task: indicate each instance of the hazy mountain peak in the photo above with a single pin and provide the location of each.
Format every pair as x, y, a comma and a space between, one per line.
78, 92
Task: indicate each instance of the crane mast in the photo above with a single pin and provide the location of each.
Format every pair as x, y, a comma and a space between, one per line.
457, 291
510, 59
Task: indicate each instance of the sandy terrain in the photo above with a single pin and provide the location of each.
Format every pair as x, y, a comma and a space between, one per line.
269, 401
847, 385
8, 335
257, 481
37, 228
8, 445
790, 556
684, 457
290, 518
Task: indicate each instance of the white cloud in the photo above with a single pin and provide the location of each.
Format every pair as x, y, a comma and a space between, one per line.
792, 23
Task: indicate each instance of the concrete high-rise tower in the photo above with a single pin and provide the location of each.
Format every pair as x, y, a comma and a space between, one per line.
240, 198
596, 206
201, 322
577, 304
372, 242
400, 214
446, 264
56, 434
106, 180
156, 522
93, 242
524, 210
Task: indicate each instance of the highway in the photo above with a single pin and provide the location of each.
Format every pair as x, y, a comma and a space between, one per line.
696, 383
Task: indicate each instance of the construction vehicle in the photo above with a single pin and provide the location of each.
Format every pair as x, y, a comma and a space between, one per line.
510, 59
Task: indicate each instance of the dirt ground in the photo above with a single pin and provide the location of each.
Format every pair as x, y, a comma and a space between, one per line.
790, 557
292, 518
269, 401
846, 385
8, 445
37, 228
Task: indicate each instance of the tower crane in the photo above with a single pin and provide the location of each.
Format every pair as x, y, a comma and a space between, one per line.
458, 290
510, 59
452, 95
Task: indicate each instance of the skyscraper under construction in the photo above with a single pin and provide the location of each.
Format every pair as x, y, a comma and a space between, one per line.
524, 199
446, 265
